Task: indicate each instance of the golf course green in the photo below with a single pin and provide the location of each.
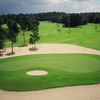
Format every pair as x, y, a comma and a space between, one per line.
63, 70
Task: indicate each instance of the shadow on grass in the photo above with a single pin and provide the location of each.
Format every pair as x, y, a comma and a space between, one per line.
1, 55
11, 53
23, 45
33, 49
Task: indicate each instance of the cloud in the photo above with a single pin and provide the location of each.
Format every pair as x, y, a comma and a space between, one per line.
35, 6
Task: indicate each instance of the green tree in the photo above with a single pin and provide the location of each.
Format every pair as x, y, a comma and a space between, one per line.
1, 39
1, 21
58, 27
33, 39
33, 27
23, 22
97, 22
13, 32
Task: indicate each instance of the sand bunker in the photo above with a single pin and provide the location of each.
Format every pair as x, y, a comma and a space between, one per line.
37, 72
50, 49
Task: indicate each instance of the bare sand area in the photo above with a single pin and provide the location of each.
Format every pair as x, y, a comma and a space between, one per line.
37, 72
88, 92
50, 49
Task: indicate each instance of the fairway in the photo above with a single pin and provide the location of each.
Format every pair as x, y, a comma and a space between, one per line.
84, 35
63, 70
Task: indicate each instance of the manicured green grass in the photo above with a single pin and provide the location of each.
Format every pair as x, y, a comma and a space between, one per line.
84, 35
63, 70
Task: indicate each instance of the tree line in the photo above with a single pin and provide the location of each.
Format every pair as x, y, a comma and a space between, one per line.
74, 19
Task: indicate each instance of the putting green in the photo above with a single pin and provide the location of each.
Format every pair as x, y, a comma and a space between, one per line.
63, 70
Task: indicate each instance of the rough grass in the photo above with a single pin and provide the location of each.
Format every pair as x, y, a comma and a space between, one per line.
63, 69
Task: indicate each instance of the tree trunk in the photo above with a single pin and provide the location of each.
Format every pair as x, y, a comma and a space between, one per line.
12, 47
96, 28
68, 29
35, 45
4, 46
32, 46
24, 37
0, 52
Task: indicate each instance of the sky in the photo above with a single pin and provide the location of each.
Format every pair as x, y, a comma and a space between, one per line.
37, 6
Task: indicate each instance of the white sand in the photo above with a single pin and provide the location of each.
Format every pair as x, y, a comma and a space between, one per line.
50, 49
37, 72
88, 92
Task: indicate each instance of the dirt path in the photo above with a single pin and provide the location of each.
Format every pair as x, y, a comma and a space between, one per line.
91, 92
88, 92
50, 49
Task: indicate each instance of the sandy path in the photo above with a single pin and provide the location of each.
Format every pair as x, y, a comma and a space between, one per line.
51, 48
91, 92
88, 92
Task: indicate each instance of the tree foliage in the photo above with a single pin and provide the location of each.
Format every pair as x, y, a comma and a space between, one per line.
33, 27
1, 38
13, 31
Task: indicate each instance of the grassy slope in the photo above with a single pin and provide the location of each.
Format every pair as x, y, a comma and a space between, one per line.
84, 35
64, 70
